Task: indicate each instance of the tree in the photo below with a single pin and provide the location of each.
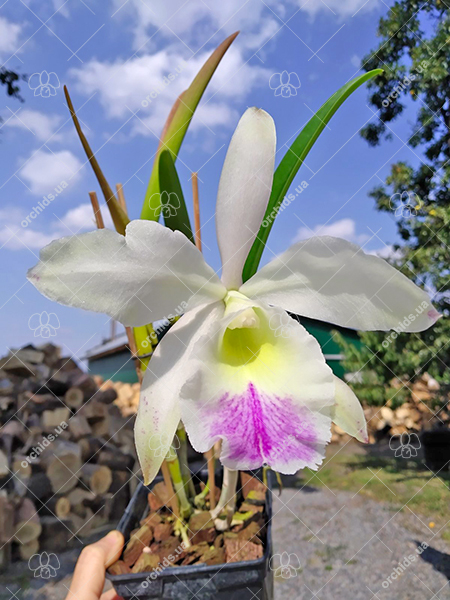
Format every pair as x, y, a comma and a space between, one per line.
10, 79
414, 52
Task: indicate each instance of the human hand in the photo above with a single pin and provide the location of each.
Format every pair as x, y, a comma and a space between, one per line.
89, 576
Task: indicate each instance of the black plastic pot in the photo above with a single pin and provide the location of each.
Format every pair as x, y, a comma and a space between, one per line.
249, 580
436, 449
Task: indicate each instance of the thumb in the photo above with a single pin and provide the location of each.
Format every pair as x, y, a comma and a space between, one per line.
89, 576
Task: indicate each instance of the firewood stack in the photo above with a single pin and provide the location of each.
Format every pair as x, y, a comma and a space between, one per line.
66, 453
420, 412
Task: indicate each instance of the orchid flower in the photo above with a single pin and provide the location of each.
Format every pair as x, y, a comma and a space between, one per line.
223, 368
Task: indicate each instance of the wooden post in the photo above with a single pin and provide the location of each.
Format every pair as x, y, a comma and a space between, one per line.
197, 232
97, 213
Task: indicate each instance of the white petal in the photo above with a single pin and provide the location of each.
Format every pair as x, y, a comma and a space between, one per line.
244, 190
332, 280
149, 274
264, 390
349, 414
159, 411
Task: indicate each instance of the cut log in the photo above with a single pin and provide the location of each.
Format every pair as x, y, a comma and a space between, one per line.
86, 384
98, 478
62, 461
27, 522
51, 419
6, 518
102, 428
67, 364
15, 429
57, 534
94, 411
38, 403
82, 526
80, 496
79, 427
115, 459
105, 396
39, 487
21, 467
74, 398
58, 383
4, 468
60, 507
26, 551
13, 366
90, 447
52, 353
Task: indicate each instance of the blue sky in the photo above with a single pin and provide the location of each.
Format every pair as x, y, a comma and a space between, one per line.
112, 54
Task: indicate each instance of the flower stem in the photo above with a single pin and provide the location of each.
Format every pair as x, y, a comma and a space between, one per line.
227, 498
184, 466
178, 484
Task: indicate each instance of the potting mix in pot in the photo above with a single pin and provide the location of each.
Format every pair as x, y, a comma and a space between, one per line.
247, 383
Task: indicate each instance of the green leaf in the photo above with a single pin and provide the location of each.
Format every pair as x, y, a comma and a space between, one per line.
178, 123
118, 215
292, 161
173, 205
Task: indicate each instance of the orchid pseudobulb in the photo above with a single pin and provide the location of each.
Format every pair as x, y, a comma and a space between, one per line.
235, 367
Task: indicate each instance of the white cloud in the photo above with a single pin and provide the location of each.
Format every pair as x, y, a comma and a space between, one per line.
388, 252
344, 228
81, 218
178, 20
37, 123
356, 61
9, 36
150, 84
340, 8
44, 171
35, 235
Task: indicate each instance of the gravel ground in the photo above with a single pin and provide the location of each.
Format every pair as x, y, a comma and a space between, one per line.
343, 546
338, 546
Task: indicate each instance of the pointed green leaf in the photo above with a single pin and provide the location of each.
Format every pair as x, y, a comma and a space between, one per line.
119, 216
291, 162
172, 199
178, 122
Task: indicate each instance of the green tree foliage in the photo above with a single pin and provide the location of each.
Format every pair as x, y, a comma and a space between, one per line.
10, 80
414, 51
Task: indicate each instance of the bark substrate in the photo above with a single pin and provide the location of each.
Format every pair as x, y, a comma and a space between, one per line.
157, 543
